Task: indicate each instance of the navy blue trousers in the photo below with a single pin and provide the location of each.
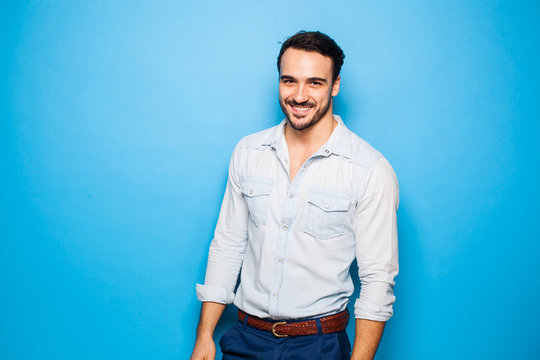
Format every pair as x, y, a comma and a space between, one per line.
246, 342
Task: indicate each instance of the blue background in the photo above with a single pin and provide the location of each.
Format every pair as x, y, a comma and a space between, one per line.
118, 120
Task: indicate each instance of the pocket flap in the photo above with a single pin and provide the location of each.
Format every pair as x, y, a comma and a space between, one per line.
255, 186
327, 202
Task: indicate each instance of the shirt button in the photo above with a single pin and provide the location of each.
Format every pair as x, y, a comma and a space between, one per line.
285, 228
326, 151
291, 196
275, 295
251, 192
281, 261
327, 206
286, 161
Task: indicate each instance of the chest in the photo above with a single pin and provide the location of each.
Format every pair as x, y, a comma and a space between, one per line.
319, 201
297, 158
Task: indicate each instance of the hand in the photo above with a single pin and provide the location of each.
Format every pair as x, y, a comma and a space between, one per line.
204, 349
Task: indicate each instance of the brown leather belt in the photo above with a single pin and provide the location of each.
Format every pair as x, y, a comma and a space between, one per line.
329, 324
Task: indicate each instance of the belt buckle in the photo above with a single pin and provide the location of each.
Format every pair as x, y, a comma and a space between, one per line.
274, 329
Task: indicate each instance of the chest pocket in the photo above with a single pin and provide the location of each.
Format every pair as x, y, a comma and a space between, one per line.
326, 214
256, 192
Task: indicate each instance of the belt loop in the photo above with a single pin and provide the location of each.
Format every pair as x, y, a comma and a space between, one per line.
245, 318
319, 327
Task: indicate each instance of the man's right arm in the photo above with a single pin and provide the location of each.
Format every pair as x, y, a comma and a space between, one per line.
204, 348
228, 246
225, 259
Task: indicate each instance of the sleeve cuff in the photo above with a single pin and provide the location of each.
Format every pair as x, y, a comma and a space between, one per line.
214, 294
369, 311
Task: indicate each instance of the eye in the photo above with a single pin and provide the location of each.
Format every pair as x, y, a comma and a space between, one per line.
316, 83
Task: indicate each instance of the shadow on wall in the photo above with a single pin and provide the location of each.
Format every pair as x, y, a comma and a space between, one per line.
404, 283
407, 284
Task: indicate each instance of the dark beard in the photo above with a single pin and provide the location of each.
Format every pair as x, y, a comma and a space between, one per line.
316, 117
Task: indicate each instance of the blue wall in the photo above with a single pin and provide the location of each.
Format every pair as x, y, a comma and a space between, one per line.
118, 120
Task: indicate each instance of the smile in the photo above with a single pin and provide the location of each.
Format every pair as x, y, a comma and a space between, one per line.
300, 110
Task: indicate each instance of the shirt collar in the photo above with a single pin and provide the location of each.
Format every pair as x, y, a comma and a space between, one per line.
339, 142
276, 136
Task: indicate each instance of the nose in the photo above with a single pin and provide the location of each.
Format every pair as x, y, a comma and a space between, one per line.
300, 94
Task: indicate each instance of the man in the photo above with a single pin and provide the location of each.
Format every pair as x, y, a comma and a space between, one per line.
303, 199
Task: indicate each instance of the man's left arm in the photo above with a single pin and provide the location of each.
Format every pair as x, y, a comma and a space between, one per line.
368, 334
377, 257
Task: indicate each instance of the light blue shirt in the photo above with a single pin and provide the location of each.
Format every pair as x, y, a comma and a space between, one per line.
294, 242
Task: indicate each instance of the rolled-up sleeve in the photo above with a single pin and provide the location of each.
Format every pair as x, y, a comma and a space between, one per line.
377, 243
229, 243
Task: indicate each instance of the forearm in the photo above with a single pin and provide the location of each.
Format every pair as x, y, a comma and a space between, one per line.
205, 348
210, 314
367, 338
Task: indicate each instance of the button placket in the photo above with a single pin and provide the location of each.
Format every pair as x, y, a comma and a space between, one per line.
285, 227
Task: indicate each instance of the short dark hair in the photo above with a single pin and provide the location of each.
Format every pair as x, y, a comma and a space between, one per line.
318, 42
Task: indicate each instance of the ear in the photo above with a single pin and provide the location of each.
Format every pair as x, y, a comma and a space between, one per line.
335, 86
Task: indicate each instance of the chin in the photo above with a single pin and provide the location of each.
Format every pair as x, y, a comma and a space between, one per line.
302, 124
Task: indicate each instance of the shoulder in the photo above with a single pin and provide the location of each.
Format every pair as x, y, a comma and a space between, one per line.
363, 154
259, 140
370, 163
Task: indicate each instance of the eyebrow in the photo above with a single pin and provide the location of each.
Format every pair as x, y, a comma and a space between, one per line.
311, 79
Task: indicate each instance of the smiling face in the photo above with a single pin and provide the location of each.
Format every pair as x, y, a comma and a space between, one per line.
306, 88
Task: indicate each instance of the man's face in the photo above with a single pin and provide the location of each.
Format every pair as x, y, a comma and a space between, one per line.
306, 87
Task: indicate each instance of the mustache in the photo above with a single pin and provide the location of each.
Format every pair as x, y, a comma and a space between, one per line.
305, 103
